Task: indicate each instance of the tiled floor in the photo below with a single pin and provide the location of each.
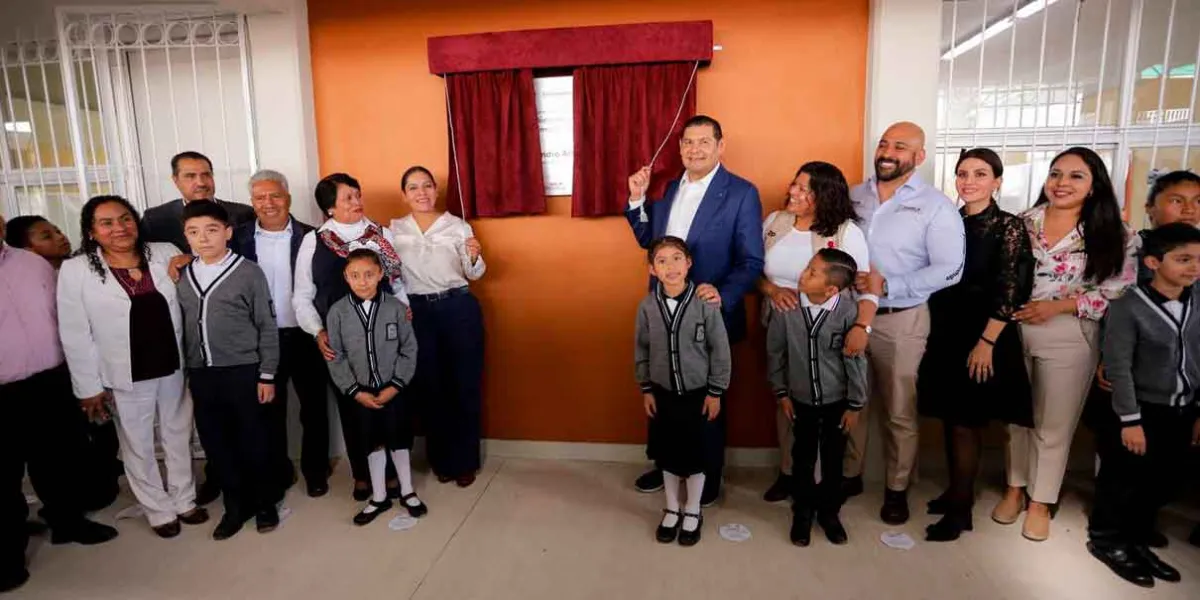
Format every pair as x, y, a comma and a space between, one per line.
532, 529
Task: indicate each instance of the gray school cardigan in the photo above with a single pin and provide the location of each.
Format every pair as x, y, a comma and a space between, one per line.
376, 346
1147, 351
805, 360
684, 350
232, 321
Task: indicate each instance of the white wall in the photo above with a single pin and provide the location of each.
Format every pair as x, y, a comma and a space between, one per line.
902, 71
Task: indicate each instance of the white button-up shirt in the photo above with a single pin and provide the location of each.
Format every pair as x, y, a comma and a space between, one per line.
435, 260
687, 202
274, 250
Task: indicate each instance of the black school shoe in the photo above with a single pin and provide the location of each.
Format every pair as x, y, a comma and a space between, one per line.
1155, 565
852, 486
667, 535
780, 490
834, 531
83, 532
364, 517
267, 520
1156, 539
690, 538
229, 526
649, 482
316, 487
417, 511
1121, 562
801, 533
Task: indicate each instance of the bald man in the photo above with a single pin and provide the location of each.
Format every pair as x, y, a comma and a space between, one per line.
916, 242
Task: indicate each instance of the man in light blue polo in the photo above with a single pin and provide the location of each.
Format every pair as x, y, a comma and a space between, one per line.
916, 242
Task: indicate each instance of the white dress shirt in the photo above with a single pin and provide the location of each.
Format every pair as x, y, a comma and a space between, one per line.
274, 250
305, 290
207, 273
435, 261
686, 204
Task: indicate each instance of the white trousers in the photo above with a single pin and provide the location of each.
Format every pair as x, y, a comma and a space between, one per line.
137, 410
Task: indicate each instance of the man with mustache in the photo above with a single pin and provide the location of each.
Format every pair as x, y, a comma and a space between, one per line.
192, 174
916, 242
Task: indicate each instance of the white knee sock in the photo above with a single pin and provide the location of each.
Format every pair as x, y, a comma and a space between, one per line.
671, 487
377, 462
404, 474
695, 488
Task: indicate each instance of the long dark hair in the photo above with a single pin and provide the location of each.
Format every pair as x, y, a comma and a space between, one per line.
832, 197
89, 246
1099, 218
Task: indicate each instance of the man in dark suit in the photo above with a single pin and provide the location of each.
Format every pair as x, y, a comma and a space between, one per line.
720, 216
272, 240
192, 174
193, 177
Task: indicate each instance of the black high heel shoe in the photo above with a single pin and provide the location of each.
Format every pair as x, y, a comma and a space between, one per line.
667, 535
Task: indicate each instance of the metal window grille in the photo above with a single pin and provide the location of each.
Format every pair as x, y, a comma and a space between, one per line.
1030, 78
103, 105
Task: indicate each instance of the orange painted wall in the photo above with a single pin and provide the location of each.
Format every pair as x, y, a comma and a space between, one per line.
560, 293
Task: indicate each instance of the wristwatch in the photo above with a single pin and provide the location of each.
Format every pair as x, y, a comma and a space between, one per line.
865, 327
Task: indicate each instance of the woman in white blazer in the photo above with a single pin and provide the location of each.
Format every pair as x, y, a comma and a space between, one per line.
119, 322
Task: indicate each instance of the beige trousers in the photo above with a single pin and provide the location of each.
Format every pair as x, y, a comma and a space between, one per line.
1061, 356
893, 357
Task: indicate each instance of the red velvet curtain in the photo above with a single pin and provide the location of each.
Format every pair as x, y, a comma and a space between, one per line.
494, 132
622, 114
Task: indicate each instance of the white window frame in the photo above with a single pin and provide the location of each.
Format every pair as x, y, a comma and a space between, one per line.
1123, 138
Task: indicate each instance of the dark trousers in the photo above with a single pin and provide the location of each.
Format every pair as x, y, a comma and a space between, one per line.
301, 363
818, 430
42, 427
1131, 489
449, 379
234, 430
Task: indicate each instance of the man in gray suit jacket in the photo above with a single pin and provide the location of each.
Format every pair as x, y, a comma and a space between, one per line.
192, 174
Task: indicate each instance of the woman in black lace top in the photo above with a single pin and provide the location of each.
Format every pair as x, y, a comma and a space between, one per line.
973, 370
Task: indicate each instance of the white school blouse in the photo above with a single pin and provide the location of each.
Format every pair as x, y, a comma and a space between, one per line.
435, 261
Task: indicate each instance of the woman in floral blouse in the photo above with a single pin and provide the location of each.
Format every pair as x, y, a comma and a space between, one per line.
1085, 256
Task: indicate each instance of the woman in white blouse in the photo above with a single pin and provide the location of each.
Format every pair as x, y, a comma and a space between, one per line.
440, 255
319, 283
1085, 256
818, 214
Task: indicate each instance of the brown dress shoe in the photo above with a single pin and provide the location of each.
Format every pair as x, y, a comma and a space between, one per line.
1037, 524
1009, 509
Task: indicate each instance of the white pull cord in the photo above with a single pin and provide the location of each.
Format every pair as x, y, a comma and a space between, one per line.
678, 113
462, 205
